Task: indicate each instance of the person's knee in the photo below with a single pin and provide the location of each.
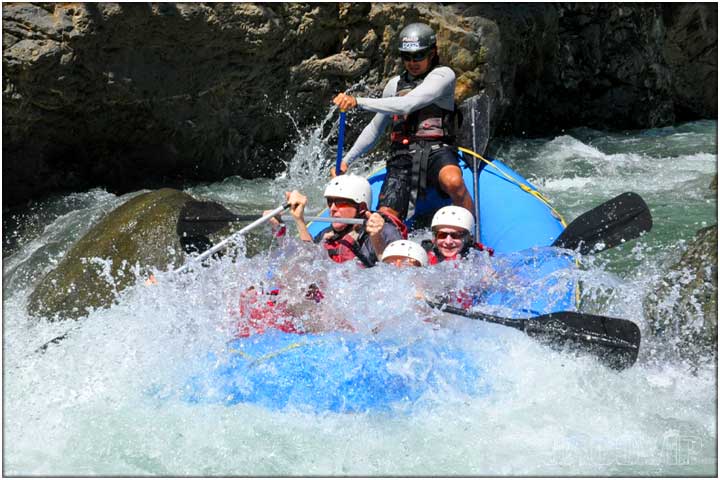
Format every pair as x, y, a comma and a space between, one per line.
452, 182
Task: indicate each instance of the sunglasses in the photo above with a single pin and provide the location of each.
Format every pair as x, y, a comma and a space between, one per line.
340, 202
441, 235
415, 57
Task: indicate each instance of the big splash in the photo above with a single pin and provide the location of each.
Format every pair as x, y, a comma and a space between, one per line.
120, 396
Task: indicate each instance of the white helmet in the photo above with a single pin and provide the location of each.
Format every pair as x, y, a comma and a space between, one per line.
406, 248
453, 216
352, 187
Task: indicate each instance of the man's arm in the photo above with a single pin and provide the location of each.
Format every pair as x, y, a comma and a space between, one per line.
438, 87
368, 138
372, 132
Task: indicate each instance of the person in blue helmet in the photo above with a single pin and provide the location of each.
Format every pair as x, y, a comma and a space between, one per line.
419, 105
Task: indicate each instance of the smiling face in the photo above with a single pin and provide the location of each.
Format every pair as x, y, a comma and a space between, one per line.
449, 240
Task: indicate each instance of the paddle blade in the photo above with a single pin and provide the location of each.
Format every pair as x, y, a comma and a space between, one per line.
618, 220
475, 123
616, 342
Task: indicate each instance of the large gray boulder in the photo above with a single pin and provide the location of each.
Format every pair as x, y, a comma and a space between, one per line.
139, 234
138, 95
682, 309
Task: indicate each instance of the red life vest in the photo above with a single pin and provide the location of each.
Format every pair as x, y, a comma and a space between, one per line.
342, 248
346, 245
259, 311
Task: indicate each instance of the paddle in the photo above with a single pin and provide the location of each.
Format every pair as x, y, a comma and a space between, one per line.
614, 341
341, 142
231, 217
622, 218
479, 123
191, 262
224, 243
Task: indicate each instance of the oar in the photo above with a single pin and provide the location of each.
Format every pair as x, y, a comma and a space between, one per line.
189, 263
479, 106
285, 218
341, 142
616, 342
221, 245
620, 219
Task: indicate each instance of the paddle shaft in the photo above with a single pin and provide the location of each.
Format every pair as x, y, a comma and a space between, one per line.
224, 243
341, 142
285, 218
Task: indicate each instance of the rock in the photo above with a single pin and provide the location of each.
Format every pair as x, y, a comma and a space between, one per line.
139, 95
138, 235
682, 310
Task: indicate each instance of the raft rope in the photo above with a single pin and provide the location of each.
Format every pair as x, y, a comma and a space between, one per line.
524, 187
256, 361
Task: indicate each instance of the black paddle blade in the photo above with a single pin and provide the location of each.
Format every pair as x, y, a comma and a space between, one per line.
474, 129
620, 219
616, 342
203, 218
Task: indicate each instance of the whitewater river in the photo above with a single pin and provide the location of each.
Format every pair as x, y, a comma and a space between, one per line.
108, 400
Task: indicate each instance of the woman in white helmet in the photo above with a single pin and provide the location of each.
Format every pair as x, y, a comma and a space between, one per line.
405, 253
348, 196
452, 228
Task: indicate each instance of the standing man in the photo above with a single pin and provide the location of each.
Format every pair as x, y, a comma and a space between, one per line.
420, 106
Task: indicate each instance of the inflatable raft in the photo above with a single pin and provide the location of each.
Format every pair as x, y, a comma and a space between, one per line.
344, 372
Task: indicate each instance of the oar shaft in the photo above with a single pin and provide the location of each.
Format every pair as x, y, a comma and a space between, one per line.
347, 221
341, 142
221, 245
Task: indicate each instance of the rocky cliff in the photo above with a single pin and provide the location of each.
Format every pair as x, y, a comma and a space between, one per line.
141, 95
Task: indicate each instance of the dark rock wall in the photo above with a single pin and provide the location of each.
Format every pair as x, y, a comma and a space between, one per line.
140, 95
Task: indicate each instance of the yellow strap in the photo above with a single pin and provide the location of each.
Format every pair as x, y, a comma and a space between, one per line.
524, 187
268, 356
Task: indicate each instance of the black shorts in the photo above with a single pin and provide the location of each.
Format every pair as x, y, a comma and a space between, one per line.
397, 188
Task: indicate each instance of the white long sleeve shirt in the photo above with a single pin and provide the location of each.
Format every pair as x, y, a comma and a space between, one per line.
438, 88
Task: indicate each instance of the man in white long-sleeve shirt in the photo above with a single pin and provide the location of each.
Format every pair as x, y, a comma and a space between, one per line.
419, 104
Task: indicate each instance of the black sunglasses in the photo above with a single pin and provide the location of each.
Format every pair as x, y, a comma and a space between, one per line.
415, 56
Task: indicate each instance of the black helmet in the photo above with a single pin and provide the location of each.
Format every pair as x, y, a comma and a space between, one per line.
416, 37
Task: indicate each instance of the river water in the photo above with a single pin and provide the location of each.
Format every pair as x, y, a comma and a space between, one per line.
89, 405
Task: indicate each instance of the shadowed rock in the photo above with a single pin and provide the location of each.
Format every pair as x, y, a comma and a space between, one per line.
128, 96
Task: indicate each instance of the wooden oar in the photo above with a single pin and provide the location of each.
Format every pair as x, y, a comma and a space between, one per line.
618, 220
614, 341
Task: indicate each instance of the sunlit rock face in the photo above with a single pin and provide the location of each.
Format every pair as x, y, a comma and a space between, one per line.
141, 95
682, 309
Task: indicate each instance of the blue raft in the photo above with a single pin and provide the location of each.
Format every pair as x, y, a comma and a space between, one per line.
347, 373
334, 372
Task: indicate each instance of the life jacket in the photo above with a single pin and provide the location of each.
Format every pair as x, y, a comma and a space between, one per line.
260, 311
435, 257
429, 123
347, 244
